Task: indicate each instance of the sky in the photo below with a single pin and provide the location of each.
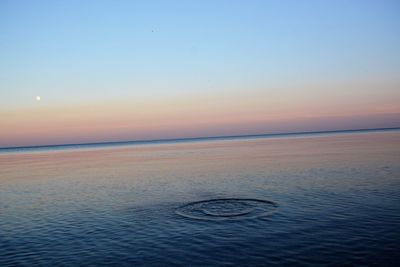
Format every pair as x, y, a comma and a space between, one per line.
141, 70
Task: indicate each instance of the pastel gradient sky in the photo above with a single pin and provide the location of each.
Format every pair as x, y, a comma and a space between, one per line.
129, 70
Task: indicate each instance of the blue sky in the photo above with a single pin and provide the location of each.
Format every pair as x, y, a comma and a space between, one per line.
88, 52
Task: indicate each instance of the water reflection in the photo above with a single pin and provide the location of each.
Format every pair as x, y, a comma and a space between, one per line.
338, 201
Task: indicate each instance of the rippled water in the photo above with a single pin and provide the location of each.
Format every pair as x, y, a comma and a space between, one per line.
227, 209
331, 200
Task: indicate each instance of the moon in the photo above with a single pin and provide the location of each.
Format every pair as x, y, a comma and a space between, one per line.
37, 98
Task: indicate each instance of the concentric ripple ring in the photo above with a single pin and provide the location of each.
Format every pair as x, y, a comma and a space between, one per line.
227, 209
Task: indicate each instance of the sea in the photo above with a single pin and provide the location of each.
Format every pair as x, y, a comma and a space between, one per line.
306, 199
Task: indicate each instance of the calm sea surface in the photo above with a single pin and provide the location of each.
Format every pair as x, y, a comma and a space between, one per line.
320, 200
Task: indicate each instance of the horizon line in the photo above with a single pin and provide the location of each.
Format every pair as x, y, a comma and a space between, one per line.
167, 140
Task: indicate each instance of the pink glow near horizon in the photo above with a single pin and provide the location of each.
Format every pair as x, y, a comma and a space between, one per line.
205, 115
